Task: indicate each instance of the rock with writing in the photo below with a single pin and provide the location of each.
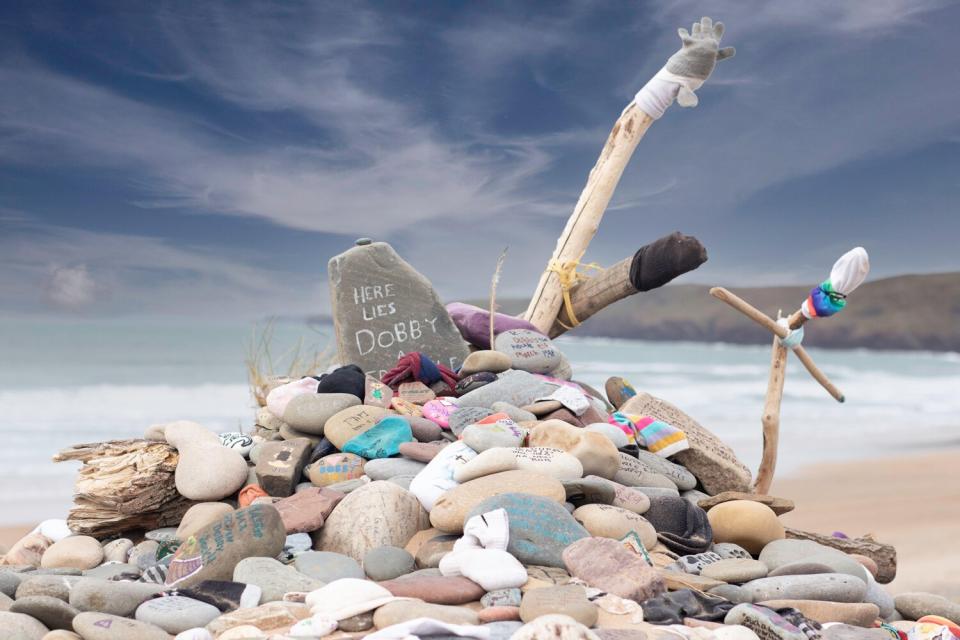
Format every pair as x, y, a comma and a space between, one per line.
612, 567
528, 350
416, 392
383, 308
376, 393
214, 551
375, 515
345, 425
280, 465
713, 463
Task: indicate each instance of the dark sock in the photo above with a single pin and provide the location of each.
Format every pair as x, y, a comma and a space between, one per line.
659, 262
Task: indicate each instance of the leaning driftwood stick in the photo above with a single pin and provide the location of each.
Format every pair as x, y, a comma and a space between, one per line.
771, 418
652, 266
583, 223
766, 321
884, 555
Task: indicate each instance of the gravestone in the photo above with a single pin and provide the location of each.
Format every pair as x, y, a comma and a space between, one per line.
383, 309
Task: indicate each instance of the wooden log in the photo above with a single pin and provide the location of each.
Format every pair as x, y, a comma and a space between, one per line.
583, 223
771, 418
603, 289
884, 555
766, 321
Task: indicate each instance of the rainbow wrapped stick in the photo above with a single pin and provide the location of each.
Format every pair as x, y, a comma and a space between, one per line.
830, 296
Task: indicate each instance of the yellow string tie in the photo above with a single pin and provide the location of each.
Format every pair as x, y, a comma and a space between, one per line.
569, 277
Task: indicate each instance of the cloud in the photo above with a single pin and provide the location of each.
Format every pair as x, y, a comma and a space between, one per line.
71, 287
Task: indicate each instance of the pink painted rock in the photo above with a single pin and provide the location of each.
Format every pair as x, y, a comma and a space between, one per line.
421, 451
498, 614
306, 510
435, 589
439, 411
606, 564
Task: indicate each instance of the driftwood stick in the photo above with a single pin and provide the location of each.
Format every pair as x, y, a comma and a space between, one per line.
771, 418
583, 223
652, 266
884, 555
766, 321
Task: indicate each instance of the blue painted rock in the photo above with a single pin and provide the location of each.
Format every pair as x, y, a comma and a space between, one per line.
540, 529
382, 440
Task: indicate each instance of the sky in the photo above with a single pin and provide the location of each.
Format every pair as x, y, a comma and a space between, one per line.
207, 158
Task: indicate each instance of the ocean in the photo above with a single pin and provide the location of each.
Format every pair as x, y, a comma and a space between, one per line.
64, 382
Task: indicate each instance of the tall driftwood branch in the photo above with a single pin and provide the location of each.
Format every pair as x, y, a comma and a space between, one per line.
583, 223
884, 555
766, 321
771, 418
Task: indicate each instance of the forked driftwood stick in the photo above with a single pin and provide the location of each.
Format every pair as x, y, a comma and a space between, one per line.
766, 321
771, 418
652, 266
583, 223
884, 555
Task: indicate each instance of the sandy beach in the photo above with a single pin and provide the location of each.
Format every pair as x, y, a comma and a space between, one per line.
910, 501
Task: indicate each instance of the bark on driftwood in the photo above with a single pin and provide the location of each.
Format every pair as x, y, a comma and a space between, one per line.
884, 555
124, 485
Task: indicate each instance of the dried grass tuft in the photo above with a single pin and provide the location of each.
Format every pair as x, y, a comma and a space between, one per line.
264, 370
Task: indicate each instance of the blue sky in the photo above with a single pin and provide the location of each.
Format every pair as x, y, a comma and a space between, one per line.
208, 158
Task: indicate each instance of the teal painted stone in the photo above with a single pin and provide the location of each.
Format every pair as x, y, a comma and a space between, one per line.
540, 529
383, 440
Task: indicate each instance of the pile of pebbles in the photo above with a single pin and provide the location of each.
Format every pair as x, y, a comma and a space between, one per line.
518, 504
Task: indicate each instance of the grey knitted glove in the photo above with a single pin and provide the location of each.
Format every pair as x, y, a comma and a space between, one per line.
686, 70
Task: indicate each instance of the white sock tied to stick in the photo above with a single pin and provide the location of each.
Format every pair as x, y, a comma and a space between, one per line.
686, 70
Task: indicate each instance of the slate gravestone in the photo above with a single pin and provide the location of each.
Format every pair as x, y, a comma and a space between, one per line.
383, 308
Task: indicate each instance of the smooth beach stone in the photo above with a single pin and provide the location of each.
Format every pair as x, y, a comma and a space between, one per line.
54, 613
20, 626
735, 570
348, 423
594, 451
683, 479
266, 617
28, 550
766, 623
751, 525
437, 477
451, 508
501, 598
273, 577
498, 614
348, 486
632, 474
402, 481
618, 391
280, 465
570, 600
485, 360
421, 451
406, 409
841, 631
378, 514
110, 571
463, 417
551, 462
915, 605
440, 410
307, 509
308, 412
214, 551
606, 521
514, 413
383, 308
730, 592
730, 550
424, 430
435, 589
528, 350
430, 553
197, 517
240, 442
387, 563
540, 528
334, 468
398, 612
778, 505
386, 468
144, 554
359, 622
474, 382
781, 552
382, 440
503, 432
376, 393
416, 392
625, 497
9, 581
616, 436
176, 614
713, 463
207, 472
583, 491
74, 552
878, 596
856, 613
185, 433
162, 535
113, 597
102, 626
519, 388
800, 568
289, 433
610, 566
835, 587
327, 566
869, 563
